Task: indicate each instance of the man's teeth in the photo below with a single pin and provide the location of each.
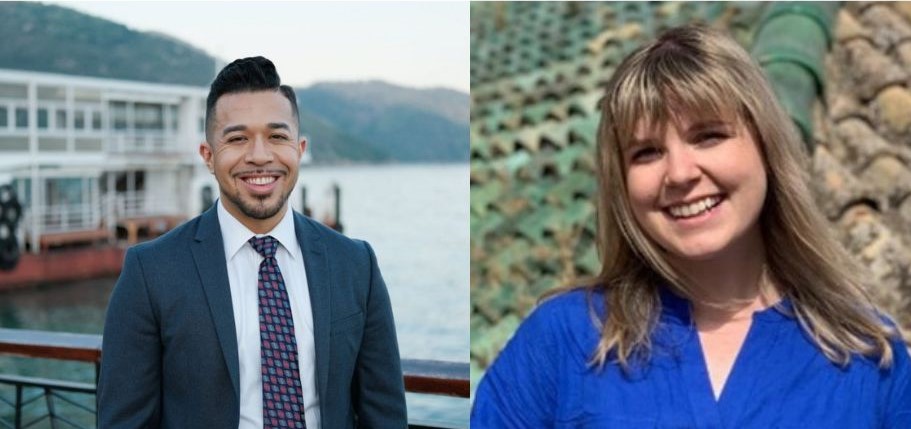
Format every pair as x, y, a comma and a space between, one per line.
694, 209
260, 180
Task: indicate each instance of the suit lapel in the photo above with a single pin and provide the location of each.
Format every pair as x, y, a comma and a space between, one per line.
209, 255
317, 267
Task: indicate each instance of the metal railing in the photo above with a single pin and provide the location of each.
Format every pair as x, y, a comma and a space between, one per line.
139, 204
65, 217
49, 390
420, 376
142, 142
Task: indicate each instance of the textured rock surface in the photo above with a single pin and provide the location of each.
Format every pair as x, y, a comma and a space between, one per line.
538, 71
874, 136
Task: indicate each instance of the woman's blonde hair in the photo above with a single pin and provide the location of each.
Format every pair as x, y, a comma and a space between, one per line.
700, 72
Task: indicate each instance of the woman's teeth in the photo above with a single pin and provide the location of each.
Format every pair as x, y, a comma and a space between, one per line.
694, 209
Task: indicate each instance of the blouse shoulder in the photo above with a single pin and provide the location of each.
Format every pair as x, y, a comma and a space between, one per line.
522, 386
898, 394
569, 316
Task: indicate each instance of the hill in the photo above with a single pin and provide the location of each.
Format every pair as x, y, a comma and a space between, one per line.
410, 124
55, 39
345, 121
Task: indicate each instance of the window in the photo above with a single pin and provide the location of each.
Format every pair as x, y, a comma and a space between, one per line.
42, 118
60, 120
3, 119
96, 120
21, 117
79, 120
119, 115
174, 114
149, 116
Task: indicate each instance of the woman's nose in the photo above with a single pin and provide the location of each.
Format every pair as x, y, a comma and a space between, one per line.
682, 166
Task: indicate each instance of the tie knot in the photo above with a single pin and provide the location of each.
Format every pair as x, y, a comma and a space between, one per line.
265, 245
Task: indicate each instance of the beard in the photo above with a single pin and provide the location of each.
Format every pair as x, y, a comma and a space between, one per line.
258, 208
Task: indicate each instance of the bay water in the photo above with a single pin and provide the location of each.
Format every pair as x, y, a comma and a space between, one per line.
414, 216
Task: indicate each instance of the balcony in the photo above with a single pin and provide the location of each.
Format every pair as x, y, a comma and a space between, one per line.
144, 142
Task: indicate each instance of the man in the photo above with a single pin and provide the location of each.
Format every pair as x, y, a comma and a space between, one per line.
251, 315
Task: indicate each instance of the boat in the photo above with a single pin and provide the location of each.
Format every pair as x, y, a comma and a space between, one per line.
96, 165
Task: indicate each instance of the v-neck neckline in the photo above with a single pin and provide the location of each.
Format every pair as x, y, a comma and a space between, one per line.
709, 412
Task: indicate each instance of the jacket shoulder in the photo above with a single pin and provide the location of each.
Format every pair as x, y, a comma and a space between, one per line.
334, 241
177, 238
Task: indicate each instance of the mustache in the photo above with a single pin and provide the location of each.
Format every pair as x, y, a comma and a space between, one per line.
261, 172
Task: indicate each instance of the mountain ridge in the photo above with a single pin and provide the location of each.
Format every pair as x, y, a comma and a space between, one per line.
394, 123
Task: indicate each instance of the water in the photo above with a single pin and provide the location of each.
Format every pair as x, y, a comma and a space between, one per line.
416, 219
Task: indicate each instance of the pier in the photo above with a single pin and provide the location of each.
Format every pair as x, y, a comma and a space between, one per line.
420, 376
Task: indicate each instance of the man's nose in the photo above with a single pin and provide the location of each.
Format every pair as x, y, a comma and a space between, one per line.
259, 152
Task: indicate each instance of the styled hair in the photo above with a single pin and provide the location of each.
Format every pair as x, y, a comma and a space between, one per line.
246, 75
704, 74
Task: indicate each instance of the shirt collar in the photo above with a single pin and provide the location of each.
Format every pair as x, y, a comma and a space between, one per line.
678, 309
235, 235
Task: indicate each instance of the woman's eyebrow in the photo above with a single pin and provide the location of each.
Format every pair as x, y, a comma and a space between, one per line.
644, 141
707, 125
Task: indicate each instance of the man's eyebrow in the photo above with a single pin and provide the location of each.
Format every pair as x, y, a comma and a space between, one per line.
279, 125
232, 128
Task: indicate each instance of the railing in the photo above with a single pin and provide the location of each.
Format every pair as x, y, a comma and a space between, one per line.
142, 142
53, 345
65, 217
420, 376
129, 204
138, 204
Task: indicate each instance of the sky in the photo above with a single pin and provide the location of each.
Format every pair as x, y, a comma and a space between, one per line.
416, 44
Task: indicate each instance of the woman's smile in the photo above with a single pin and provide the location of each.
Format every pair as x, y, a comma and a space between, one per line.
698, 189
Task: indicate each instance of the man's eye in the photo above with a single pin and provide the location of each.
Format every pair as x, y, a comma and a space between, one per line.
279, 137
236, 139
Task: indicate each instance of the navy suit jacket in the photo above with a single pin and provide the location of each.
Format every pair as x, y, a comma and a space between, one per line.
170, 349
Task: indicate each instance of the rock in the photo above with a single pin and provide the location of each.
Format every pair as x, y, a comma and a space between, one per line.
868, 70
902, 8
629, 31
888, 27
888, 176
847, 28
893, 108
860, 142
844, 106
883, 254
903, 51
904, 210
834, 187
486, 344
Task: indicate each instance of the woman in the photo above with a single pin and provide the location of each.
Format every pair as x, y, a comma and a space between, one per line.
722, 301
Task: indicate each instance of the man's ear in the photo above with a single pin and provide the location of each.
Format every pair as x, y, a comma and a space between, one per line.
205, 152
303, 145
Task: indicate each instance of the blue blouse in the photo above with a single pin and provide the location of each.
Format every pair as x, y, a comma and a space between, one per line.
542, 378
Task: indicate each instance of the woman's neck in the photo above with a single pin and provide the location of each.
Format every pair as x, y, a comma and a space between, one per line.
731, 285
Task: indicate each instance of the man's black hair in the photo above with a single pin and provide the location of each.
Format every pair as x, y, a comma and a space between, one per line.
247, 75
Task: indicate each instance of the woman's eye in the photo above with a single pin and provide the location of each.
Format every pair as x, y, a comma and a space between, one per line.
646, 154
711, 137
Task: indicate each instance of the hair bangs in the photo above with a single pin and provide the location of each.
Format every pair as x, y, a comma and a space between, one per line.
671, 87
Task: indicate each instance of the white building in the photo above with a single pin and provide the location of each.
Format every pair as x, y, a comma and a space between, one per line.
87, 155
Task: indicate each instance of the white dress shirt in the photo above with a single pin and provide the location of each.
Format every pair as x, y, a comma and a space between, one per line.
243, 271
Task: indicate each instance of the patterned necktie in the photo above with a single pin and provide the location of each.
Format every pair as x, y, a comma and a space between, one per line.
283, 401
